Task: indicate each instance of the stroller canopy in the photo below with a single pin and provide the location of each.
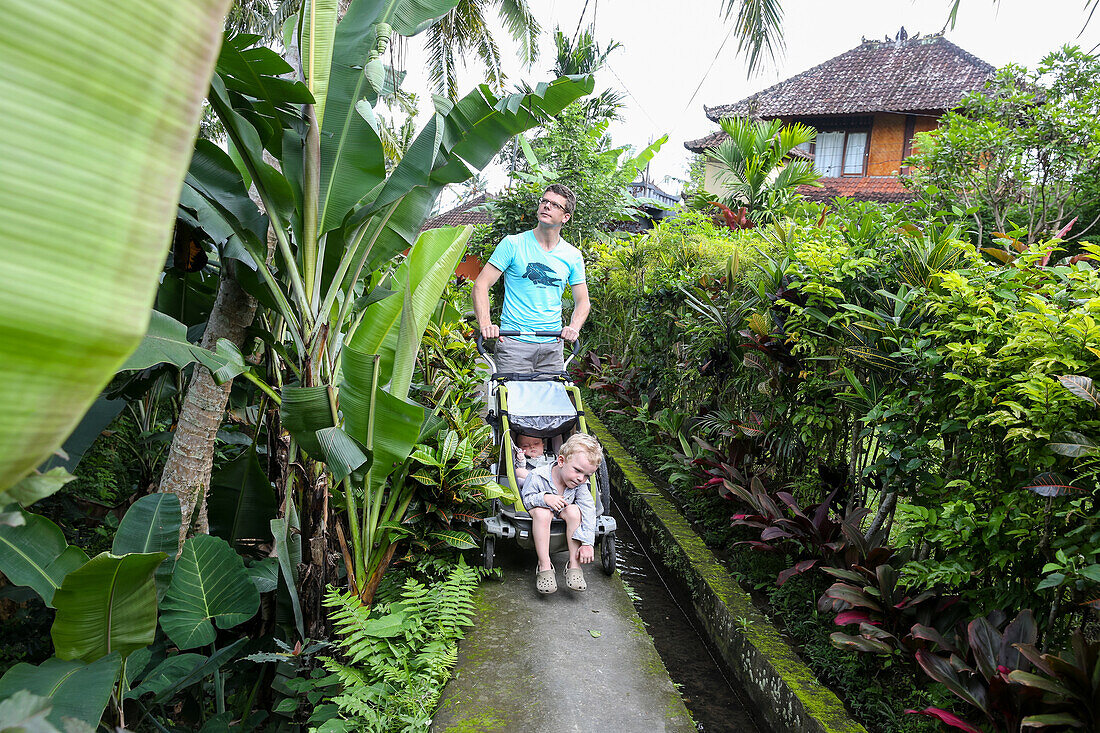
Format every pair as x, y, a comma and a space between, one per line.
540, 408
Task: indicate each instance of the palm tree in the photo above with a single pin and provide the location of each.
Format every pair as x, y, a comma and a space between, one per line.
759, 28
466, 29
754, 160
583, 55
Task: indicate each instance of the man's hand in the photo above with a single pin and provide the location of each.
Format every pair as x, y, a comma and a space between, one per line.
570, 334
490, 331
585, 554
554, 501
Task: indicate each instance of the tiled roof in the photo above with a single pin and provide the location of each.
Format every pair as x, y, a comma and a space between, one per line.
707, 142
924, 74
460, 215
887, 189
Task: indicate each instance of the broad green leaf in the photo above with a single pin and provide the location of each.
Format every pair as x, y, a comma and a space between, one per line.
209, 586
167, 678
343, 455
152, 524
242, 502
397, 425
166, 342
384, 627
304, 411
455, 538
167, 673
74, 689
36, 486
425, 272
318, 35
108, 605
264, 574
104, 127
360, 378
222, 204
26, 713
35, 554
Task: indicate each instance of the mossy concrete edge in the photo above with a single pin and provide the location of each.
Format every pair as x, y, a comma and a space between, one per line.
785, 691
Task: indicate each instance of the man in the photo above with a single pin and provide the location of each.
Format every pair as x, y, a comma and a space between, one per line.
536, 266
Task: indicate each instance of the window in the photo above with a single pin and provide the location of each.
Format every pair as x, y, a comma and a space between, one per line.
841, 153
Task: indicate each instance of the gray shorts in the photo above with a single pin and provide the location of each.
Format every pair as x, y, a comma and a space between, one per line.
524, 357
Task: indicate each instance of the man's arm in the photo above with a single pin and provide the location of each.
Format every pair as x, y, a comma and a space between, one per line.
581, 307
485, 280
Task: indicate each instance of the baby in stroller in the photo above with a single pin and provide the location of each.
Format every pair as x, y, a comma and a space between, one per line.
561, 490
530, 454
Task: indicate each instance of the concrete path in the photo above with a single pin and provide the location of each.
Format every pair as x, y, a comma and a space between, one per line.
558, 663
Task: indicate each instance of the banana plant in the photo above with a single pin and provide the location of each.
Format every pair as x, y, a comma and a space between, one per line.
100, 135
346, 359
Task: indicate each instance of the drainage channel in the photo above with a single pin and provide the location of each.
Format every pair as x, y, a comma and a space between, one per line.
716, 701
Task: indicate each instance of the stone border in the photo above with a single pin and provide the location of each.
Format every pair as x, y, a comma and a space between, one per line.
784, 690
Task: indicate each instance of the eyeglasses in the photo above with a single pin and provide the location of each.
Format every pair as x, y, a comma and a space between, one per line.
553, 205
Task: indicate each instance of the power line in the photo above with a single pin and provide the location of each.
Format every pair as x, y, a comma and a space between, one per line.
630, 94
705, 74
579, 21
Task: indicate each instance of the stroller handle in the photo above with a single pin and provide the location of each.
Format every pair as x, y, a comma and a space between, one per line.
544, 334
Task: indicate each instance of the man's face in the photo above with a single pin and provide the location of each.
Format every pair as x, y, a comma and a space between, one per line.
531, 446
553, 209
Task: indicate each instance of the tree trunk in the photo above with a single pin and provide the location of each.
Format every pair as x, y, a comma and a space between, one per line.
191, 456
885, 511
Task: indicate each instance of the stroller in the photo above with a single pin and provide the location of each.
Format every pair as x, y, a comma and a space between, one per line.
545, 406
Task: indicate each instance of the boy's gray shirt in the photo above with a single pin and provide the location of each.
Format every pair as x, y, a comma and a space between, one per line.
539, 482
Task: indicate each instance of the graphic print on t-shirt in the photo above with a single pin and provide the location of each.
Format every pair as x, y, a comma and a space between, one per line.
540, 274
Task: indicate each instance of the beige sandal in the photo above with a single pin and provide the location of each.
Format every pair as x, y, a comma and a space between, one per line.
574, 579
545, 582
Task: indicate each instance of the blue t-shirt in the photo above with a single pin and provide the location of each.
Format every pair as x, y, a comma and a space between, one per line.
534, 280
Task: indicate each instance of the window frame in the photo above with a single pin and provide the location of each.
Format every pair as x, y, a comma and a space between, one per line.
862, 124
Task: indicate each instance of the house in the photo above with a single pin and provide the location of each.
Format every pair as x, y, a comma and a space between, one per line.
866, 104
471, 212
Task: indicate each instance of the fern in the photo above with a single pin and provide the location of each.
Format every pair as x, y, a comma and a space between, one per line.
396, 656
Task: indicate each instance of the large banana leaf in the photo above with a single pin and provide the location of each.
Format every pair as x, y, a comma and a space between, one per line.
75, 690
108, 605
102, 112
425, 272
242, 502
152, 524
209, 584
455, 141
351, 152
35, 554
396, 421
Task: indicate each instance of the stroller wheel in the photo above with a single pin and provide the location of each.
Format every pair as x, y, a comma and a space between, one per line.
488, 546
607, 553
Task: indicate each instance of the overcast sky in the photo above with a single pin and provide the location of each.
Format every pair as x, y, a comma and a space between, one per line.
668, 47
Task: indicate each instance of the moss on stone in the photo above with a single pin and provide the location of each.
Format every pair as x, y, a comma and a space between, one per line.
488, 720
803, 696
